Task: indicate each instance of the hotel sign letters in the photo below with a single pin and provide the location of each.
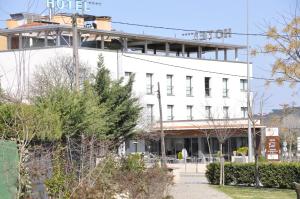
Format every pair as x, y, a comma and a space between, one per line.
78, 5
209, 35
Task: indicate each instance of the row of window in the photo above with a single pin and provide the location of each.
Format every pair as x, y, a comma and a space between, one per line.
189, 86
189, 111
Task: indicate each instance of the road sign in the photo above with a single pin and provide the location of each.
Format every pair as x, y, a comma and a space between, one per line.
284, 143
272, 147
272, 132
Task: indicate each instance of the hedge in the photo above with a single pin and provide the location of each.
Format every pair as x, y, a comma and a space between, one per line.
276, 175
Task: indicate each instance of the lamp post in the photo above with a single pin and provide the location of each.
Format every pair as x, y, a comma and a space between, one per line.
250, 143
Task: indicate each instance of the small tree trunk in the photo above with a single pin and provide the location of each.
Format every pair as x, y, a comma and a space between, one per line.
221, 165
209, 148
290, 151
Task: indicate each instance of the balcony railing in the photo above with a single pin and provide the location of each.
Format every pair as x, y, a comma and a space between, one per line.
170, 117
225, 92
189, 91
207, 92
170, 90
149, 89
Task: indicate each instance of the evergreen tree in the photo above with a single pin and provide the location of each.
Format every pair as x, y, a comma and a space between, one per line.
123, 109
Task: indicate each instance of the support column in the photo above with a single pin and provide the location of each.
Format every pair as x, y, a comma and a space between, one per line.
236, 58
199, 53
46, 39
146, 47
217, 54
183, 50
225, 54
125, 45
79, 39
20, 41
167, 49
102, 42
58, 33
199, 147
9, 42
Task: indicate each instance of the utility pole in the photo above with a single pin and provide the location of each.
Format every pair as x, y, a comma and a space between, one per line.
162, 134
250, 142
75, 51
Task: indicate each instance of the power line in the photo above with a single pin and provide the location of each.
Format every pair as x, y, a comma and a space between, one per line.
200, 70
185, 30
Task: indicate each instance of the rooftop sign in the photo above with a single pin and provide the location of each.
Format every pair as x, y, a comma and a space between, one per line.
78, 5
210, 34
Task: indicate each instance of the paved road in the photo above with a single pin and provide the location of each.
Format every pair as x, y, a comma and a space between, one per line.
192, 185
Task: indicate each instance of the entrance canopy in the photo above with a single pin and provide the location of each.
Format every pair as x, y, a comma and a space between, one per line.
202, 127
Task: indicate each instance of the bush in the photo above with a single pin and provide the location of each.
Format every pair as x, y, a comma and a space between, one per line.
180, 156
277, 175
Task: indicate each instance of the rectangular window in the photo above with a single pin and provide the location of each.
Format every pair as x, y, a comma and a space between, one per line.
243, 84
127, 76
225, 87
170, 87
225, 112
150, 113
189, 86
208, 112
149, 83
244, 112
189, 110
207, 86
170, 112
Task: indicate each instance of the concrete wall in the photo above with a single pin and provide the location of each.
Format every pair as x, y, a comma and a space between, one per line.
17, 68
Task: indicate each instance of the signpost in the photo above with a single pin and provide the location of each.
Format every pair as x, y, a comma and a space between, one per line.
272, 144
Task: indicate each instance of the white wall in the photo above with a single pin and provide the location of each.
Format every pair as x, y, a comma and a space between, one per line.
20, 65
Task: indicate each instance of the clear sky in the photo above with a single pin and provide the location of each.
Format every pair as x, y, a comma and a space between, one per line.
194, 14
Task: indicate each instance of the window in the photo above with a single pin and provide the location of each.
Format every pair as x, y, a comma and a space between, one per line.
244, 112
225, 112
243, 84
207, 87
225, 87
170, 112
127, 76
170, 85
189, 110
150, 113
149, 83
189, 86
208, 111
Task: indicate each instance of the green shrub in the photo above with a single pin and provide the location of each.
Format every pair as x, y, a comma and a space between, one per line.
242, 150
180, 156
133, 163
277, 175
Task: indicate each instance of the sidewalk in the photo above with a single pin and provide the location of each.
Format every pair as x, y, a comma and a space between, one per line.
191, 184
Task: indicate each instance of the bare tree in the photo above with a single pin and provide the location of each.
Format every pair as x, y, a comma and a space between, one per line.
57, 72
223, 130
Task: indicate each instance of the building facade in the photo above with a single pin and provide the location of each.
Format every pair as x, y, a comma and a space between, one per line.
200, 82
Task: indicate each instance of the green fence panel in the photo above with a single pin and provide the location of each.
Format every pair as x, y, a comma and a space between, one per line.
8, 169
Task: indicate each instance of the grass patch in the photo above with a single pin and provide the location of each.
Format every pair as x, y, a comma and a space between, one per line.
238, 192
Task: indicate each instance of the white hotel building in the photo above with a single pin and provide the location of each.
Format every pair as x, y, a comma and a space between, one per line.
199, 80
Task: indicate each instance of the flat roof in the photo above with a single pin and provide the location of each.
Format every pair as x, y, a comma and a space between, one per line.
142, 37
